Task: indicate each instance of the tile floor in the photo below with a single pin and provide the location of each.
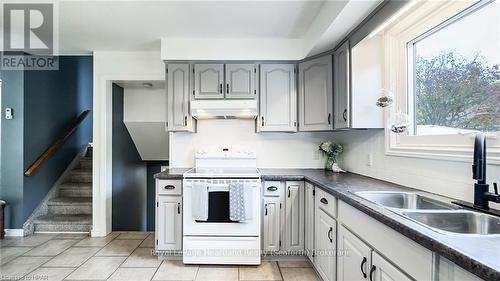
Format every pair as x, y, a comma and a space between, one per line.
123, 256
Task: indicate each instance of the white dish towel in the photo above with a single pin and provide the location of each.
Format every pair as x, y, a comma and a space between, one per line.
240, 202
199, 205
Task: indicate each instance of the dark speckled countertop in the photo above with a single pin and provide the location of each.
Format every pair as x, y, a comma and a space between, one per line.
479, 255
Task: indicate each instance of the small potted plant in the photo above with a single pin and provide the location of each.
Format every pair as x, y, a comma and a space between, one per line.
332, 152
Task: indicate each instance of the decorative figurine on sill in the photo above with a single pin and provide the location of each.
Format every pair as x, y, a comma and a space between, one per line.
332, 151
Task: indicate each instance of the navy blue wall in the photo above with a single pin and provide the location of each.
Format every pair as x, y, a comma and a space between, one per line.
129, 174
11, 187
45, 103
153, 168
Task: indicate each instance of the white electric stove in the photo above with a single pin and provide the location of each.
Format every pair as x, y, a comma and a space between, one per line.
218, 240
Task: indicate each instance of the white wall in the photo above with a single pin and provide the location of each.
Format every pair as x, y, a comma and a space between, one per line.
274, 150
448, 178
145, 116
112, 67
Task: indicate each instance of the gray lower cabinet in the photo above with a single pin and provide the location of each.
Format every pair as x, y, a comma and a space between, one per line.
354, 259
271, 224
208, 81
283, 216
278, 98
240, 81
325, 245
341, 82
169, 216
316, 95
382, 270
309, 221
178, 97
294, 216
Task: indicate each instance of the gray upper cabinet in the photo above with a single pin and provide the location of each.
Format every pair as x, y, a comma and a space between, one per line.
278, 98
178, 93
240, 81
208, 81
341, 81
316, 95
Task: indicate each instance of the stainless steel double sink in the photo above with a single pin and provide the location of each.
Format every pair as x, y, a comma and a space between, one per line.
437, 215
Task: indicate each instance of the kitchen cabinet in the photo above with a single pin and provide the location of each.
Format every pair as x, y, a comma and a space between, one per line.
382, 270
240, 81
353, 262
208, 81
341, 82
294, 216
389, 258
168, 215
271, 224
178, 96
325, 245
278, 98
316, 95
309, 221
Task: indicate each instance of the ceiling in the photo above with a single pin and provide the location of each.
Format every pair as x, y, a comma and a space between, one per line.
86, 26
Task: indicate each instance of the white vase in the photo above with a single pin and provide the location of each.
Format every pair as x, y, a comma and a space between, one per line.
336, 168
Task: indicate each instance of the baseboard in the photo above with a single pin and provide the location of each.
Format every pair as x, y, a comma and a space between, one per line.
98, 233
14, 232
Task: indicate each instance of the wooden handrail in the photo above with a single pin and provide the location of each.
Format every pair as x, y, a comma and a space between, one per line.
56, 144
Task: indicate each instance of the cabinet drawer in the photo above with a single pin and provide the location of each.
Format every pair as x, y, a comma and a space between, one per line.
326, 202
168, 187
273, 188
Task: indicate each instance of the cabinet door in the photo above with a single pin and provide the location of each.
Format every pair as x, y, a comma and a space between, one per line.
309, 221
354, 257
178, 89
294, 215
208, 81
316, 95
271, 224
169, 222
240, 81
324, 244
341, 82
278, 98
382, 270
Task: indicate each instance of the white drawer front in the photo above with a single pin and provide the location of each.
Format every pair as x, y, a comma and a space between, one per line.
168, 187
326, 202
273, 188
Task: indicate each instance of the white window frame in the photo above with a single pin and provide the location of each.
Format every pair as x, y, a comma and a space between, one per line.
424, 16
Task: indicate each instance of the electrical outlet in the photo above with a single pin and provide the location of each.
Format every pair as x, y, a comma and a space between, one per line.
369, 159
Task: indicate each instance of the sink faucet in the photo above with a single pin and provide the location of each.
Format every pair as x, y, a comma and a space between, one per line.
482, 196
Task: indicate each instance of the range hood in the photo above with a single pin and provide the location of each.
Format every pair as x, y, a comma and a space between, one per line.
224, 109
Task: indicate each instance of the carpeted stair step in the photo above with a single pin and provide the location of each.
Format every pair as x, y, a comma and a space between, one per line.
63, 223
85, 163
70, 206
72, 189
81, 175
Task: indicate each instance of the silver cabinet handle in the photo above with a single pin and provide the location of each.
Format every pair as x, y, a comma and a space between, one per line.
272, 188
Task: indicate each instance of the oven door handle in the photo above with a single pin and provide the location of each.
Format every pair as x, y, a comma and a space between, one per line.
218, 187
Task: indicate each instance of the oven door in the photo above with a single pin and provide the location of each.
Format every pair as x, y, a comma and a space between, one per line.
218, 222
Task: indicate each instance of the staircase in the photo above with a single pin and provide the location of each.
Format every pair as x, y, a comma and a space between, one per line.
71, 210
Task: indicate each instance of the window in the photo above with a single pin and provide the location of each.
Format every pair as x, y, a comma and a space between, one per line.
442, 65
456, 75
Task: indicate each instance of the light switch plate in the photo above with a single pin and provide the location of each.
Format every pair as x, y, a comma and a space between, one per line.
9, 113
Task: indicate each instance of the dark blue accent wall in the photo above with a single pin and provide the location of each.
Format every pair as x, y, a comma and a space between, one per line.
153, 168
129, 175
45, 103
11, 187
